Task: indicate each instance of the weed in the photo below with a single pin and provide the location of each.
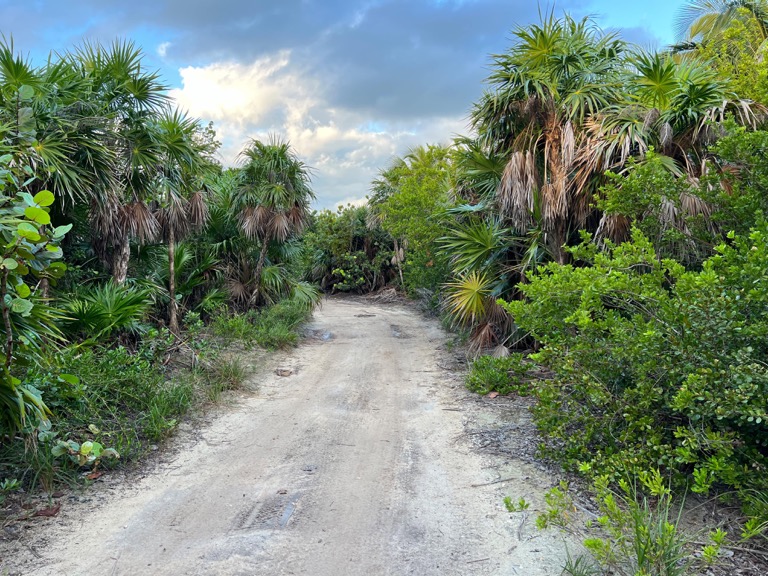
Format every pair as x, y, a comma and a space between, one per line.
560, 508
504, 375
519, 506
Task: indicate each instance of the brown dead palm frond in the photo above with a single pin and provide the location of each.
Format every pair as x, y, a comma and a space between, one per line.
613, 227
568, 145
669, 217
482, 338
198, 210
139, 222
500, 351
254, 220
297, 217
694, 205
280, 226
666, 134
239, 281
650, 118
105, 223
499, 317
518, 185
174, 216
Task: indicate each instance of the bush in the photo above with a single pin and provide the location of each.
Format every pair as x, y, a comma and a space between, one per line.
655, 366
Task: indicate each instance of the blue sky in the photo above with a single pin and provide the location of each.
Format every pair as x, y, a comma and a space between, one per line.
350, 83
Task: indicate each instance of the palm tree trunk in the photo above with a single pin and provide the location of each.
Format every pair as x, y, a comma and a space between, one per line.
173, 317
260, 266
120, 259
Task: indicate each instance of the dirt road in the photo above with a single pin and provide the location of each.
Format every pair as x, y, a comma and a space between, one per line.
354, 461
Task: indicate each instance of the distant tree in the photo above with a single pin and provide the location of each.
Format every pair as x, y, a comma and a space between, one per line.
409, 199
273, 198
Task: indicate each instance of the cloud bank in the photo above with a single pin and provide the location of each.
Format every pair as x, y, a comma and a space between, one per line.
349, 83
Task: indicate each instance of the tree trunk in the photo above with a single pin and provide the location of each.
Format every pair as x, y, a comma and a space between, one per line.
259, 269
120, 258
6, 320
399, 267
173, 316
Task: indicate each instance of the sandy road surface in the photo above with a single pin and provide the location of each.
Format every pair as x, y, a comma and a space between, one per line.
353, 464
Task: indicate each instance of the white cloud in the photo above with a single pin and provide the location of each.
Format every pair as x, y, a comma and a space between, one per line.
273, 96
162, 49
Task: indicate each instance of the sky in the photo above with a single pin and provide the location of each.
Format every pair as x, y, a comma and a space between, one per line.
350, 84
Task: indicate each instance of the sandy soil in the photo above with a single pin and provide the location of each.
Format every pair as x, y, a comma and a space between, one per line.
356, 454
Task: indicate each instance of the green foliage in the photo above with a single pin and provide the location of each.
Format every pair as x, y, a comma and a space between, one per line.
560, 507
641, 537
30, 253
273, 327
346, 251
88, 453
413, 211
738, 53
654, 366
663, 207
505, 375
520, 506
101, 311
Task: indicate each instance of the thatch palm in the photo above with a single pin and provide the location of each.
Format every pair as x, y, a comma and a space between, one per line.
672, 106
54, 124
555, 76
273, 197
131, 98
182, 203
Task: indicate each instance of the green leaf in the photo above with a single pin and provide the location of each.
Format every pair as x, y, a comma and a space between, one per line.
57, 269
37, 214
21, 306
86, 447
59, 231
26, 92
44, 198
23, 290
60, 449
71, 379
10, 264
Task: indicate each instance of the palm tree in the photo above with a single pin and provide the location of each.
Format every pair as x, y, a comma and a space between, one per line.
54, 125
672, 106
131, 98
553, 79
273, 198
181, 169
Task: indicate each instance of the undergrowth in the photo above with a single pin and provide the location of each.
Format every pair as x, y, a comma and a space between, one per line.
272, 328
121, 402
505, 375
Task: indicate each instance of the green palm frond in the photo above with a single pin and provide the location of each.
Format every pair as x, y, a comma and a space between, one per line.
100, 311
466, 297
477, 245
305, 294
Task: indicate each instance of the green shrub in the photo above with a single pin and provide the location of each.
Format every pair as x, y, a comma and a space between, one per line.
504, 375
655, 366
